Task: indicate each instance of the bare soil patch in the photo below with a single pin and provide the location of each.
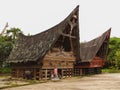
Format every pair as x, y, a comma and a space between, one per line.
94, 82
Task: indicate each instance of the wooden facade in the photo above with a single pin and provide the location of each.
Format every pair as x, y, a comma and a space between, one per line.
63, 61
93, 67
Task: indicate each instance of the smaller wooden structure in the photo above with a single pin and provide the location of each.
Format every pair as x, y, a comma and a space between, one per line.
93, 55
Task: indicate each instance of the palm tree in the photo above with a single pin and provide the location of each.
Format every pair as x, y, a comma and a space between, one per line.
14, 32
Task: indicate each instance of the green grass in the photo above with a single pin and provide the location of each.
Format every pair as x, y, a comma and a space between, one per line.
29, 82
111, 70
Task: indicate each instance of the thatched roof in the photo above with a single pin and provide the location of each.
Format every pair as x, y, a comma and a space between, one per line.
88, 50
33, 48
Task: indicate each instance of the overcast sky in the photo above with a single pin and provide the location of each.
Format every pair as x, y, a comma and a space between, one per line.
34, 16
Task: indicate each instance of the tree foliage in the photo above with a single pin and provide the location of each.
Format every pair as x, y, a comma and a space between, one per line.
7, 42
13, 32
113, 58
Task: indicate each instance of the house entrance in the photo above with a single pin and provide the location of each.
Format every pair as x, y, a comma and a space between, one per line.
60, 73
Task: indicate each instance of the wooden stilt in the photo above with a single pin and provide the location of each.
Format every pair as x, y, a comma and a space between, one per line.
35, 73
81, 72
62, 73
40, 74
46, 74
17, 73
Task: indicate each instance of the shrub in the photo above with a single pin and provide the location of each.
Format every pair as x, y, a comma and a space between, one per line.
5, 70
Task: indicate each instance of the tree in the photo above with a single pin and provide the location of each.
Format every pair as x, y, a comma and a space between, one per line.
14, 33
7, 43
113, 58
5, 48
117, 60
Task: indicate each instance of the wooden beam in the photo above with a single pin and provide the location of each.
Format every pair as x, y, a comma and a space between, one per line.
59, 58
72, 24
68, 35
71, 43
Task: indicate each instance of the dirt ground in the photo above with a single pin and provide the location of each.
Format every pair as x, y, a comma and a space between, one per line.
94, 82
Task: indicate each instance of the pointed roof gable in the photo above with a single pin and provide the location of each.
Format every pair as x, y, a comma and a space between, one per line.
89, 49
32, 48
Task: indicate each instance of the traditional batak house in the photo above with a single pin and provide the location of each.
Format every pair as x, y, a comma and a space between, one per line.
53, 51
93, 55
57, 51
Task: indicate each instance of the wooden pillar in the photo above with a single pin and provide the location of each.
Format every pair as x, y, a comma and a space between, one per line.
73, 71
17, 73
22, 72
14, 72
40, 74
34, 73
95, 72
89, 71
62, 73
81, 72
66, 72
69, 72
46, 74
100, 71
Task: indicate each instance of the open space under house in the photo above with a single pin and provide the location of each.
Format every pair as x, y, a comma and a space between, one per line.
57, 51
